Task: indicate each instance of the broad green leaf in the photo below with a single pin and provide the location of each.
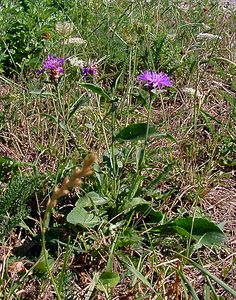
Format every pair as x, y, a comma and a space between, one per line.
151, 215
90, 199
199, 229
142, 206
95, 89
136, 132
80, 216
128, 205
108, 280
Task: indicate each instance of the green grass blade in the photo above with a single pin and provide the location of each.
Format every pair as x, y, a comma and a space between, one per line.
188, 285
129, 265
205, 272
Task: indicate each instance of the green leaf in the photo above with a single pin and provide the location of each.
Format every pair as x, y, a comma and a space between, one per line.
78, 103
80, 216
140, 152
166, 136
135, 187
95, 89
108, 280
90, 199
211, 276
208, 117
128, 237
188, 285
63, 126
199, 229
7, 166
128, 205
151, 215
41, 93
136, 132
162, 176
41, 265
91, 287
232, 101
51, 117
125, 260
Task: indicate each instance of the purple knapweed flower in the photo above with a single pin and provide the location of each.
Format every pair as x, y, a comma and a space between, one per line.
90, 71
153, 80
53, 66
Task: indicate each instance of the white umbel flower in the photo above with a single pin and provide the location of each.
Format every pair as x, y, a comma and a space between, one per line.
74, 61
75, 40
207, 36
65, 28
191, 91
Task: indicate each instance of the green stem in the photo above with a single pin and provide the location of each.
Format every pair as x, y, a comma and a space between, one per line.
136, 183
103, 127
113, 157
62, 112
63, 271
44, 251
59, 99
140, 165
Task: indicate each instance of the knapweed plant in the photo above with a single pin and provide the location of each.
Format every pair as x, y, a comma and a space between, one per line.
53, 66
149, 86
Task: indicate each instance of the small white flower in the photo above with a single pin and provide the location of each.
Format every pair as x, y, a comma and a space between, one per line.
191, 91
75, 40
74, 61
207, 36
64, 27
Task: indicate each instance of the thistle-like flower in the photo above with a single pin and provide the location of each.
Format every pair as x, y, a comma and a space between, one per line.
53, 66
153, 80
90, 71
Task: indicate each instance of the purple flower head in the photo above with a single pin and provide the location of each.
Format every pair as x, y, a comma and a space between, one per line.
153, 80
90, 71
52, 65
